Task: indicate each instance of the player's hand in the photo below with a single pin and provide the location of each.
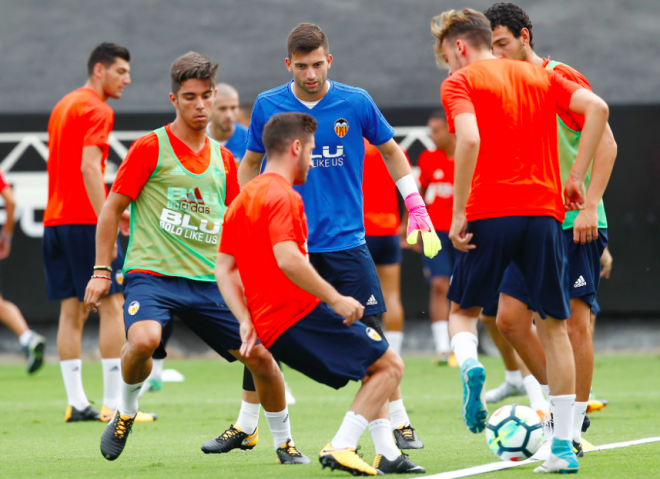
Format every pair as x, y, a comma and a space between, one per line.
348, 308
420, 221
606, 262
125, 223
417, 248
585, 226
96, 289
248, 337
457, 233
574, 193
5, 247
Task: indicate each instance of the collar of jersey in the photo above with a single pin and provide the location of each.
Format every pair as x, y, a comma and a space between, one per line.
290, 89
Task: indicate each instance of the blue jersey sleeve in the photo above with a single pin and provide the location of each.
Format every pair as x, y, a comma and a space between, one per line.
375, 127
257, 123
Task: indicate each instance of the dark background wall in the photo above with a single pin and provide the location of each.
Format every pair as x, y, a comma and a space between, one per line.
381, 45
632, 203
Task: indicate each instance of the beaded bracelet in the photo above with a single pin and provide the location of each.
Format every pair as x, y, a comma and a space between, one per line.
101, 276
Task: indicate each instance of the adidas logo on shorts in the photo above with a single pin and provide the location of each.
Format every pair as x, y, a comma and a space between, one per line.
177, 170
580, 282
372, 301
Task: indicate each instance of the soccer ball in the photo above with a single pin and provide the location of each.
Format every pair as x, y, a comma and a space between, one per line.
514, 432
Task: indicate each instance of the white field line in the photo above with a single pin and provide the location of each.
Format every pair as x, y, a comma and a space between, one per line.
498, 466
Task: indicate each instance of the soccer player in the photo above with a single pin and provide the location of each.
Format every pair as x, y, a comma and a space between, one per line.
436, 176
333, 194
78, 147
585, 232
179, 184
224, 127
296, 314
381, 227
32, 344
508, 206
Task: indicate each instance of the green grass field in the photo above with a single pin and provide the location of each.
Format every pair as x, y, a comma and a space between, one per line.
35, 441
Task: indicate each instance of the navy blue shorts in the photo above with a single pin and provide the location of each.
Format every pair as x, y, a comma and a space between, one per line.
583, 272
352, 272
535, 243
69, 253
441, 264
385, 249
198, 303
324, 349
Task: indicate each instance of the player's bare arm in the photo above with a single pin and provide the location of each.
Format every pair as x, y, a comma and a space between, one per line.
395, 160
106, 239
595, 112
585, 227
250, 167
231, 289
467, 151
92, 157
296, 267
8, 227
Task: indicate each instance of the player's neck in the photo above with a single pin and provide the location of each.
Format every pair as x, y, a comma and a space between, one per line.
193, 139
281, 167
449, 148
302, 95
97, 87
533, 58
221, 135
477, 55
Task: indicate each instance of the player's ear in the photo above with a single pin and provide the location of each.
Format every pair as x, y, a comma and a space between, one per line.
288, 64
173, 99
329, 59
524, 35
98, 70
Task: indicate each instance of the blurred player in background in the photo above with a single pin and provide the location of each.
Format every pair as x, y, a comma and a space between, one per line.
381, 227
224, 127
244, 114
296, 314
32, 344
436, 176
78, 147
180, 183
508, 206
585, 232
333, 193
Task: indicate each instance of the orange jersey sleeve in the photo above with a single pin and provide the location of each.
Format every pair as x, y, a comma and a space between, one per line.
139, 164
99, 124
231, 176
3, 183
456, 97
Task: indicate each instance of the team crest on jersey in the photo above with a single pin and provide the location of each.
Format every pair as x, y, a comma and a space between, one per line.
341, 127
119, 277
133, 308
373, 334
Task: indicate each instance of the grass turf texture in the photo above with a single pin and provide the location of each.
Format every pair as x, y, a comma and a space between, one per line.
35, 441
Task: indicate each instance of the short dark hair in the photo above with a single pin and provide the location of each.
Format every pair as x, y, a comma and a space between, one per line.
284, 128
438, 114
468, 24
106, 54
305, 38
192, 66
510, 16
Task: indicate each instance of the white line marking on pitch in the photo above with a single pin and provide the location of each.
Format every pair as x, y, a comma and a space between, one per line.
498, 466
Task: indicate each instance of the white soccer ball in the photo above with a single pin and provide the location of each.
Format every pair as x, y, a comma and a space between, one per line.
514, 432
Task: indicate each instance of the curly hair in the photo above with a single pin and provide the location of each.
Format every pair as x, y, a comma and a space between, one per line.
512, 17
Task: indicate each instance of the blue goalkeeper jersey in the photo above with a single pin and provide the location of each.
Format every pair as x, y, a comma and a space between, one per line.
333, 192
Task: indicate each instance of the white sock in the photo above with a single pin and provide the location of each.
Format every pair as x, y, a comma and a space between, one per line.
156, 369
24, 339
464, 346
562, 412
513, 377
128, 400
441, 336
280, 426
72, 375
350, 431
111, 382
535, 394
546, 391
578, 418
395, 338
381, 434
398, 414
248, 417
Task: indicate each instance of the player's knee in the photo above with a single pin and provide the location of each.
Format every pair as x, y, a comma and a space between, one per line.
507, 326
439, 286
144, 345
393, 365
260, 362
